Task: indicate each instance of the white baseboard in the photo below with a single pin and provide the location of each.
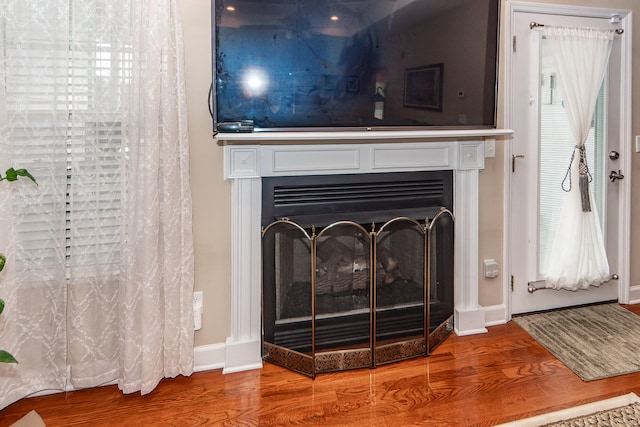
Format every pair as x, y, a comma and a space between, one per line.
242, 355
634, 294
208, 357
469, 321
230, 357
495, 315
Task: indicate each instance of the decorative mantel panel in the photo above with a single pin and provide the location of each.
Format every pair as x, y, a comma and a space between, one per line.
246, 164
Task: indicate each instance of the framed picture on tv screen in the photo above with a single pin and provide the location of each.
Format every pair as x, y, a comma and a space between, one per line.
423, 87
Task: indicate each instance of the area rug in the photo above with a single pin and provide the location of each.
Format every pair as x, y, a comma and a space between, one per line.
618, 411
597, 341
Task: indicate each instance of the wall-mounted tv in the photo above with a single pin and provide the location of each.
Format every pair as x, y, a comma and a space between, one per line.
354, 64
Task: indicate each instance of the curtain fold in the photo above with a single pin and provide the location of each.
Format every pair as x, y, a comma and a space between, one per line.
101, 267
578, 258
33, 324
159, 281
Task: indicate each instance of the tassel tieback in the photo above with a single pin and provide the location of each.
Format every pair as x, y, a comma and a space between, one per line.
585, 178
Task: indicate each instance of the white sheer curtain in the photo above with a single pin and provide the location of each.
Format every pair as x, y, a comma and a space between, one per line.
578, 258
99, 277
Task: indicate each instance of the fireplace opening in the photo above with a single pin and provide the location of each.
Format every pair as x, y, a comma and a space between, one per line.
357, 269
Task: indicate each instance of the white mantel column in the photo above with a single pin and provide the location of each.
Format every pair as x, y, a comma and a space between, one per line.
243, 349
469, 316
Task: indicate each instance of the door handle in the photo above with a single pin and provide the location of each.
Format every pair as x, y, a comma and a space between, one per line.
613, 176
513, 160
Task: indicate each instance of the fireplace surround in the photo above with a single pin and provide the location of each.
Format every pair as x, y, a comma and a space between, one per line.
250, 157
357, 268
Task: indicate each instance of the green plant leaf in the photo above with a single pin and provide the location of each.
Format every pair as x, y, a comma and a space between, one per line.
24, 172
11, 174
7, 357
1, 305
3, 261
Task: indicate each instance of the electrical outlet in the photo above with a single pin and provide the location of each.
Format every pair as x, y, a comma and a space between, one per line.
489, 148
197, 310
490, 268
197, 298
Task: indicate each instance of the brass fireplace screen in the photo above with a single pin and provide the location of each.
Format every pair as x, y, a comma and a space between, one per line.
351, 296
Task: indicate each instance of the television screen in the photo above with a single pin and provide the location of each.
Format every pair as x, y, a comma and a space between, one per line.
343, 64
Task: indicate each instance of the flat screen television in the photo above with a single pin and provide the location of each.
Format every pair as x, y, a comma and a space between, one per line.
354, 64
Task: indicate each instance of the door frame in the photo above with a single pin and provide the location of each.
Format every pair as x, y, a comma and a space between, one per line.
626, 293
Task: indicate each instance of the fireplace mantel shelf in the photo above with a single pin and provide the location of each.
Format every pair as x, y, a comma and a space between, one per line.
353, 136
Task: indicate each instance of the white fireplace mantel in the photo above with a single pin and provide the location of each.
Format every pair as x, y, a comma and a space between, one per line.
249, 157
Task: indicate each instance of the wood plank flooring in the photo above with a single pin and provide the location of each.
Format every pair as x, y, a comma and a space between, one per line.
478, 380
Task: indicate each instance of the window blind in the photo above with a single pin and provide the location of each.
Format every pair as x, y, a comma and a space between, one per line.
65, 125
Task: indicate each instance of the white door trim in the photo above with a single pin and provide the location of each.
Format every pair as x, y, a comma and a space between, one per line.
626, 293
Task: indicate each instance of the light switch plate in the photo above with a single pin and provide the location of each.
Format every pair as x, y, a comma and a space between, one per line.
489, 148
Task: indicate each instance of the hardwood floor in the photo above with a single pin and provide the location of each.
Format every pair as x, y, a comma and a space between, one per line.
478, 380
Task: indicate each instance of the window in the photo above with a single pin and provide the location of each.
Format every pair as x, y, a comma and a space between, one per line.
66, 126
556, 147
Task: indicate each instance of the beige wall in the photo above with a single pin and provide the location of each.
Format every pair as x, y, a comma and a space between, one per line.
212, 197
211, 194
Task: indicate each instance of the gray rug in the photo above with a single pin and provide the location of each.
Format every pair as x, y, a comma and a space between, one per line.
624, 416
595, 342
617, 411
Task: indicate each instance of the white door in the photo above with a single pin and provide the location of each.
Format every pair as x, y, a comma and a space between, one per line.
540, 155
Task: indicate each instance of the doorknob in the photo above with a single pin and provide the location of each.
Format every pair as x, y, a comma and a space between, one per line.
615, 175
614, 155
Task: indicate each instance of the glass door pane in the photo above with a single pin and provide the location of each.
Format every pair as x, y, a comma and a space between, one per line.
556, 148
